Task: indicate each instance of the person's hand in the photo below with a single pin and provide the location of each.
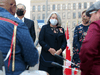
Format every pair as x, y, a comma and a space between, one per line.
58, 52
47, 73
79, 72
52, 51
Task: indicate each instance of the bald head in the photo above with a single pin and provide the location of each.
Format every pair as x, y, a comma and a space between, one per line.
9, 5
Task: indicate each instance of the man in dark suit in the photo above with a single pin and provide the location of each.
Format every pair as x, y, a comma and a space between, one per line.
21, 10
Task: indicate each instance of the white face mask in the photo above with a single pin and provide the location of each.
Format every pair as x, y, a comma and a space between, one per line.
53, 21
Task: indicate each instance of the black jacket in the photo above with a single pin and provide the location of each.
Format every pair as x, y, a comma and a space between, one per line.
47, 40
30, 24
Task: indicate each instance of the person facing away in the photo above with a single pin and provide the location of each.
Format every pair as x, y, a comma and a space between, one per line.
90, 50
79, 34
25, 52
53, 41
21, 10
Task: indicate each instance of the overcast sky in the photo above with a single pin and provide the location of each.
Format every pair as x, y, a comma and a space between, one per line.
27, 4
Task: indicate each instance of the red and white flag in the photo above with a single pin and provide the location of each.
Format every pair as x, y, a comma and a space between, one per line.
68, 55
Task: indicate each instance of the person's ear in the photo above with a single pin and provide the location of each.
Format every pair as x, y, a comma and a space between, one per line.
99, 10
24, 12
81, 15
98, 13
2, 4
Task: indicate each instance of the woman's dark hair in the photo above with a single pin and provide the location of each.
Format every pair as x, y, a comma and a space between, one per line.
83, 12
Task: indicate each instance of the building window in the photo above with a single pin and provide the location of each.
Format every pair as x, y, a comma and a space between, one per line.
38, 16
79, 5
39, 8
85, 5
33, 8
73, 24
69, 24
91, 3
48, 14
79, 14
63, 6
37, 31
74, 6
43, 7
48, 7
79, 22
53, 7
33, 17
58, 7
68, 15
69, 6
59, 13
63, 24
74, 15
37, 26
43, 16
63, 15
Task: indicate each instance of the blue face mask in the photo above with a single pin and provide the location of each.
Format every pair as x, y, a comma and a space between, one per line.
53, 21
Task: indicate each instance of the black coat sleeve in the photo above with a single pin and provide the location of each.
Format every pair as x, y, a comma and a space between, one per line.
32, 31
42, 39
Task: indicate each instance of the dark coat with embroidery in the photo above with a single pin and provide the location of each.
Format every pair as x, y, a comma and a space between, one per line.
48, 40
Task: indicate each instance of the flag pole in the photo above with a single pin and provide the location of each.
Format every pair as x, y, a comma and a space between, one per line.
68, 57
66, 37
77, 22
67, 23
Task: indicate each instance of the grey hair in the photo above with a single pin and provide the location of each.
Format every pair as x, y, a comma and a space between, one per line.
22, 5
58, 17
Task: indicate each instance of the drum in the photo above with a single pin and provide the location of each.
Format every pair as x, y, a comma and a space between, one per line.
34, 72
1, 73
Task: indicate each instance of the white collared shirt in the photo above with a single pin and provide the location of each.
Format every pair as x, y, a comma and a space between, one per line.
21, 19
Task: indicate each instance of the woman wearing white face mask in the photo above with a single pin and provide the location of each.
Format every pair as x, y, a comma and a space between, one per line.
53, 41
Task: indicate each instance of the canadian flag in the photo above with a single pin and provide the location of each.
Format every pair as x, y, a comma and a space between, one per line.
68, 55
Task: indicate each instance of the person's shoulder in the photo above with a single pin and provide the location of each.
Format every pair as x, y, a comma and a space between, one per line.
28, 19
45, 26
20, 23
60, 27
12, 18
96, 22
79, 26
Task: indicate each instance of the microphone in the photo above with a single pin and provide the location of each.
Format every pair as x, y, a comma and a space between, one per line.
2, 67
1, 61
56, 64
59, 57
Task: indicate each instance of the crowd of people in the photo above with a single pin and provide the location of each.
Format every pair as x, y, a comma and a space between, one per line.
17, 37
